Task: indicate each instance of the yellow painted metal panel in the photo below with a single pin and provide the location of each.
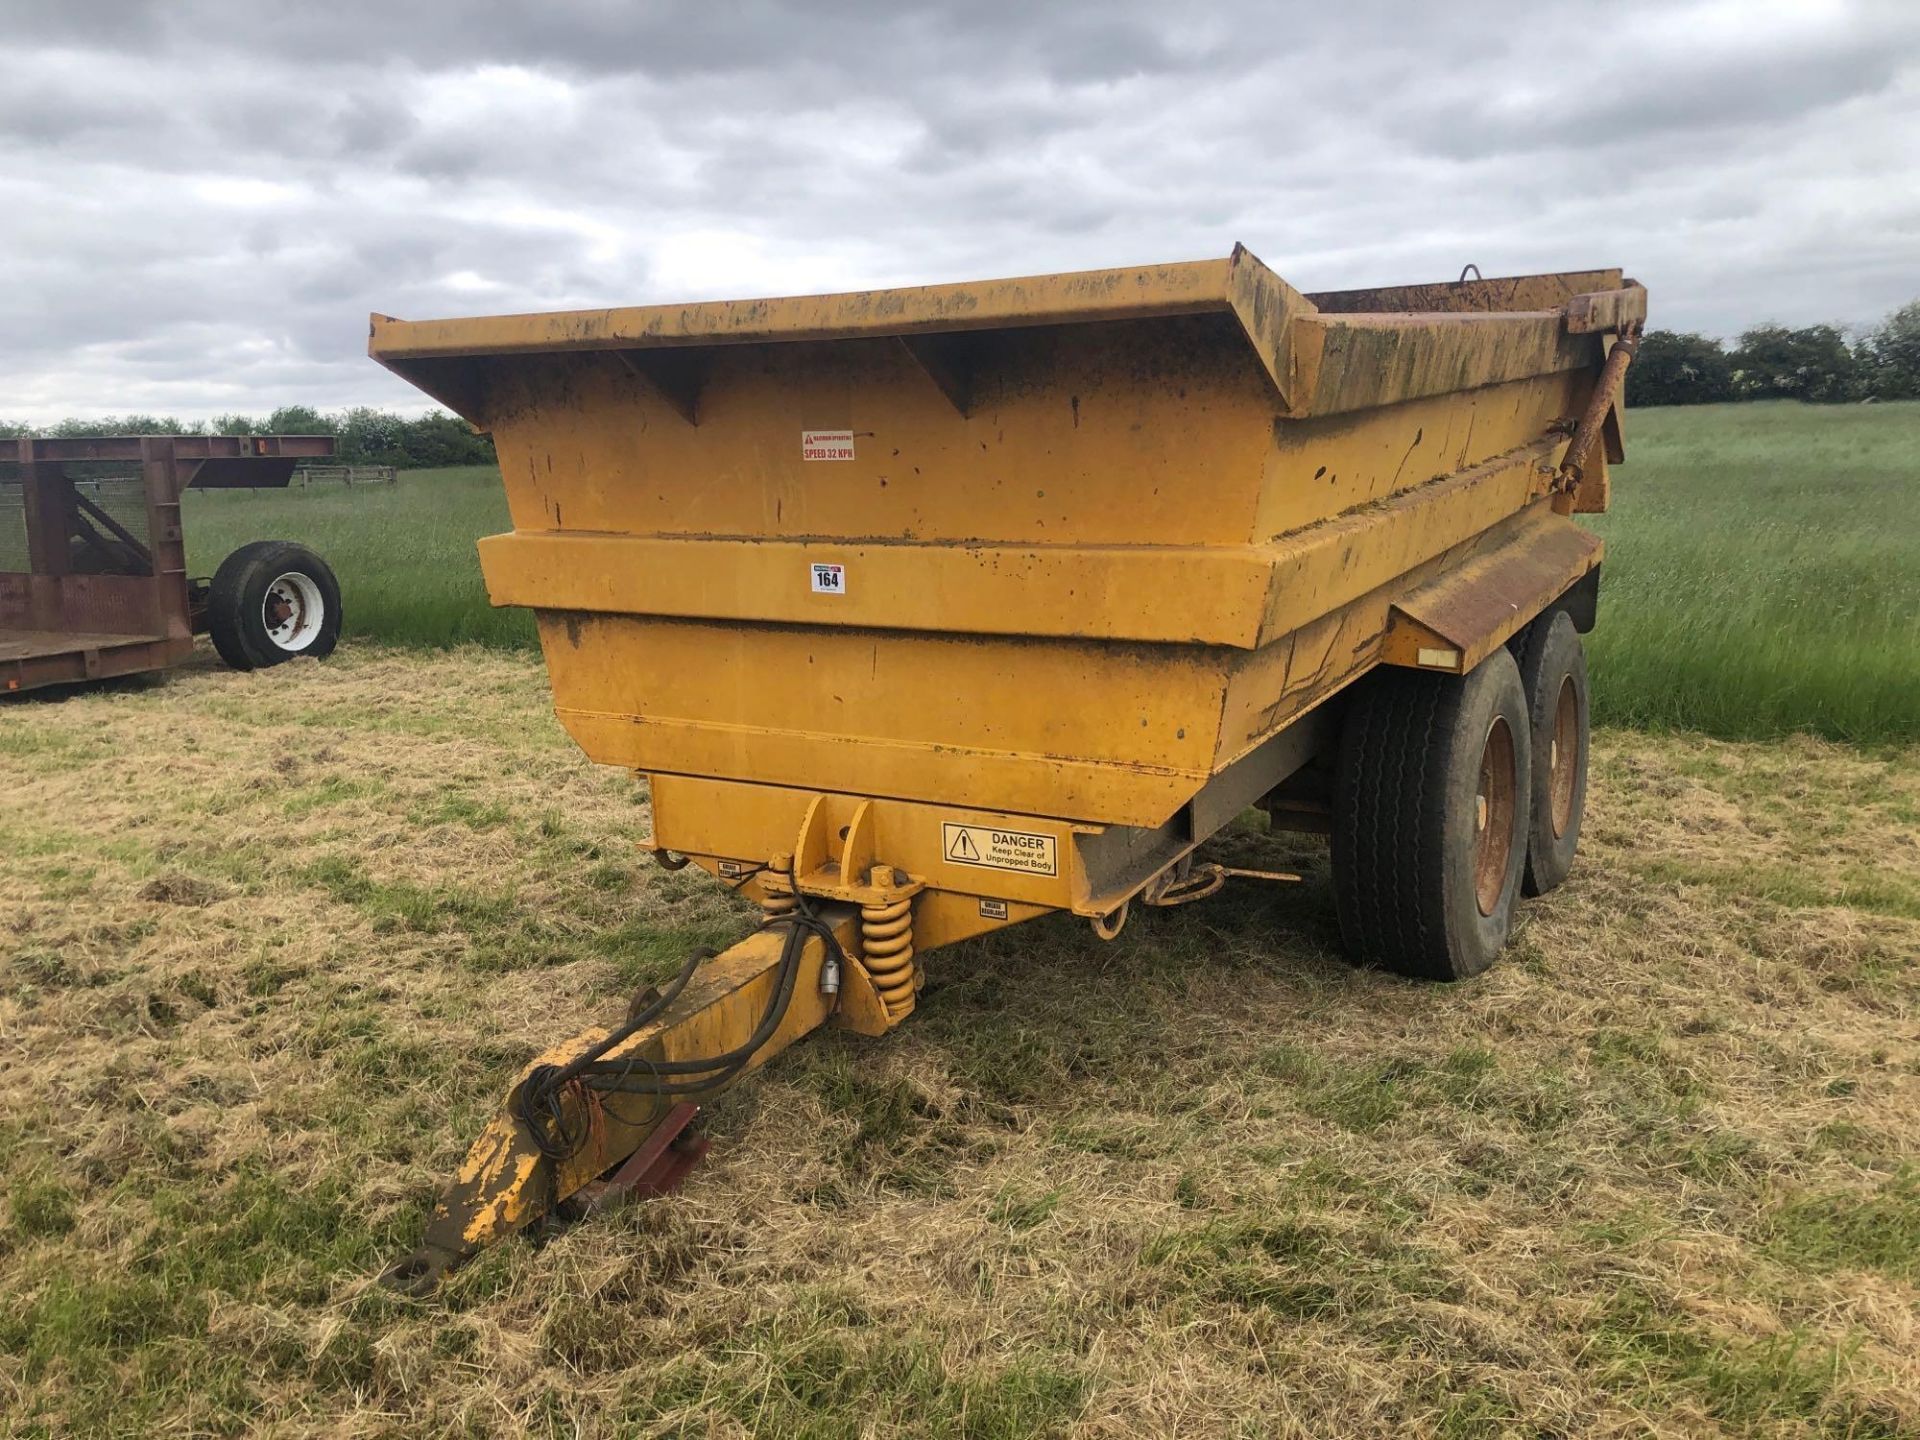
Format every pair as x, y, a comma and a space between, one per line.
1108, 792
1129, 433
986, 304
1110, 734
1332, 645
1505, 292
1326, 466
1316, 364
1352, 362
1220, 595
1278, 683
1607, 309
1321, 569
1089, 731
1175, 594
1085, 538
1260, 302
701, 816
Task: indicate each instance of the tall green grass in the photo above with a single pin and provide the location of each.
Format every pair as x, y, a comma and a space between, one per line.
1762, 574
403, 552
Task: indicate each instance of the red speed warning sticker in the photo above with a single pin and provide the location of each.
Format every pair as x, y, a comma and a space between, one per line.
826, 445
992, 848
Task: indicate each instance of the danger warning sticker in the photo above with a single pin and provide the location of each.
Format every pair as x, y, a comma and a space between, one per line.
826, 445
994, 849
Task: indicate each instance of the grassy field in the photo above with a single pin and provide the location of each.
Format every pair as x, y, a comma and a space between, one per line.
1763, 573
272, 947
274, 944
404, 553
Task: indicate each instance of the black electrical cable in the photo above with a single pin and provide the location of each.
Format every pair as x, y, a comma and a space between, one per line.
538, 1101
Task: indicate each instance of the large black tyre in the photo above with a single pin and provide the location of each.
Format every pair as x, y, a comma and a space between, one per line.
1553, 668
1430, 818
271, 601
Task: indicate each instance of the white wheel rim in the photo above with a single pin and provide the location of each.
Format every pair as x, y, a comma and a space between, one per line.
293, 611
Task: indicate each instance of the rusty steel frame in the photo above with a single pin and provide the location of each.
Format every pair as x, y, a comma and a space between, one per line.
60, 626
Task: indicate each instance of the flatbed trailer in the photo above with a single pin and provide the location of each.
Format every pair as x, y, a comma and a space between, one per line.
93, 565
927, 612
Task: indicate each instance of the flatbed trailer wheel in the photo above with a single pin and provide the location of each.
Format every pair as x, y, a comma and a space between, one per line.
1430, 818
270, 601
1553, 668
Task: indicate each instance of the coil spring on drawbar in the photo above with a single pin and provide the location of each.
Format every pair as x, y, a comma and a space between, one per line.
774, 904
886, 944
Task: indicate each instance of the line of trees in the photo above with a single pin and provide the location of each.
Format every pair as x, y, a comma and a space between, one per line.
363, 436
1821, 363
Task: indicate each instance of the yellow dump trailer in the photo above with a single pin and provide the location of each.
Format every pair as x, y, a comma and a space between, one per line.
929, 611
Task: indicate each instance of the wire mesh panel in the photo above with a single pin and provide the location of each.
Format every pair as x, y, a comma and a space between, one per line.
102, 544
13, 528
108, 531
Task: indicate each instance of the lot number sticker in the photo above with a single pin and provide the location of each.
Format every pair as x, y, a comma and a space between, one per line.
994, 849
826, 445
829, 579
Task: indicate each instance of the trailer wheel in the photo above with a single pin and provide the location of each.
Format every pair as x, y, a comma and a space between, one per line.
1430, 818
1553, 667
270, 601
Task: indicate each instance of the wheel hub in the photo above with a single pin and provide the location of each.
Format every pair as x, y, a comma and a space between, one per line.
1493, 812
293, 611
1563, 758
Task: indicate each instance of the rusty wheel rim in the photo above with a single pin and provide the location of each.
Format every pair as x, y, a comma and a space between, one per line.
1493, 807
1563, 758
293, 610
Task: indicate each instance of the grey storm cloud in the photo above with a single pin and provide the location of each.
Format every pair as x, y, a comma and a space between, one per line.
203, 199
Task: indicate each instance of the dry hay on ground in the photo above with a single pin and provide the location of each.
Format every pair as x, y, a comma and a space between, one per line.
272, 945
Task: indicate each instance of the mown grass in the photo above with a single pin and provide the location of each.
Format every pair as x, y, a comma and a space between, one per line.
273, 952
1762, 577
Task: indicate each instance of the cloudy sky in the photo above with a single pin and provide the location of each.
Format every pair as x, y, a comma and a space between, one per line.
201, 200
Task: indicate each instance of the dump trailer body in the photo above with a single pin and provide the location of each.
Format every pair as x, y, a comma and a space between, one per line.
1066, 548
930, 611
93, 567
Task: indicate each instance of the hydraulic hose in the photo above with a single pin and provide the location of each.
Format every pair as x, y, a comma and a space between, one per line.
539, 1102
